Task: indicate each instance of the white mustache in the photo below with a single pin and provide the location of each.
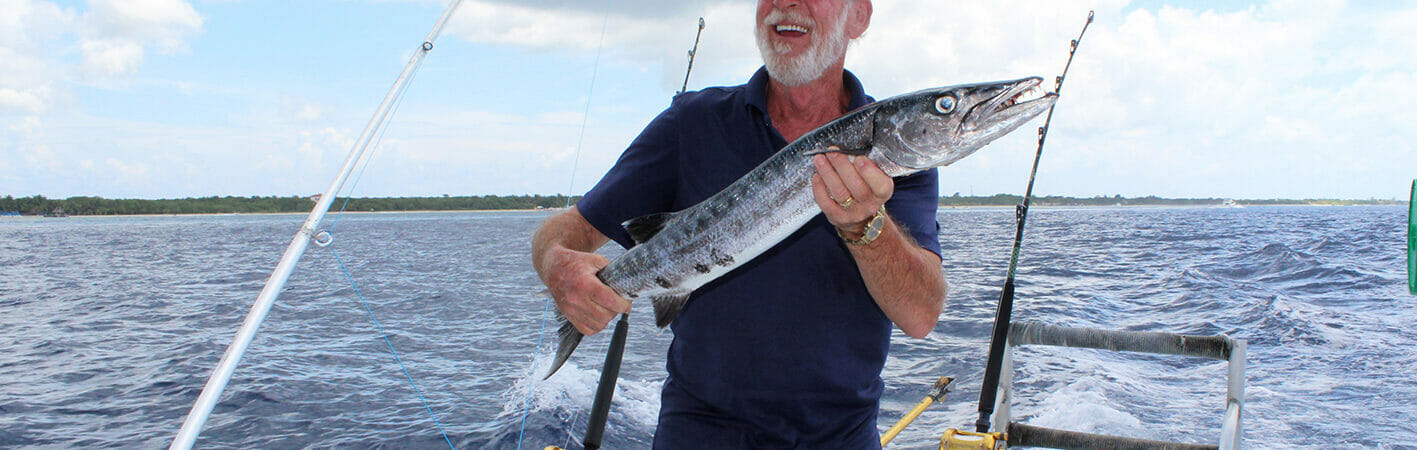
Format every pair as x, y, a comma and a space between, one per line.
778, 16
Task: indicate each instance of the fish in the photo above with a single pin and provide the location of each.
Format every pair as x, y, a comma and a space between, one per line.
678, 252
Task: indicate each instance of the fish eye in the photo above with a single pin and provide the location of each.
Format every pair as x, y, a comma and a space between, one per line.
945, 104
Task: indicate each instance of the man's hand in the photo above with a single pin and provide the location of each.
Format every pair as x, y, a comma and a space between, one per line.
849, 190
569, 273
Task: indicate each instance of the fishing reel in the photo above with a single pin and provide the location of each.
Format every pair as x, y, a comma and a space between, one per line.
967, 440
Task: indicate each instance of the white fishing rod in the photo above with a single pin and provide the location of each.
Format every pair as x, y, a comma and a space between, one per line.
197, 418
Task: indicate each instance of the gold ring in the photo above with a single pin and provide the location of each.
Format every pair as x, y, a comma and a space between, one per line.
847, 203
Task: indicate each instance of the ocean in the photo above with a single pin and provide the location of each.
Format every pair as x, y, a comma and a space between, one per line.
110, 326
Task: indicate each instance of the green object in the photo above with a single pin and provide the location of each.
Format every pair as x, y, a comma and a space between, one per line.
1412, 240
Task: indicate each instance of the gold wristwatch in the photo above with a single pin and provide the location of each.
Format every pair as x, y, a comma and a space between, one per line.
872, 231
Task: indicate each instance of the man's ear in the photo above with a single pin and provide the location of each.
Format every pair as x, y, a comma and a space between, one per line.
860, 18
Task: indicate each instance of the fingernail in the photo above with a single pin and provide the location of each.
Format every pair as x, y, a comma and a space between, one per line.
851, 158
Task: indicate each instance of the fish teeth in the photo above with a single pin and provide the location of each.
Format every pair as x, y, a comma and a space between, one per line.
1033, 93
1028, 95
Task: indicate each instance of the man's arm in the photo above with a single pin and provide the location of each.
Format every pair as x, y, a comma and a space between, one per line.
562, 251
903, 278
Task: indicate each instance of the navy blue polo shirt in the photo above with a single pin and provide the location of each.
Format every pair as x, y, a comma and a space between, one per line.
786, 350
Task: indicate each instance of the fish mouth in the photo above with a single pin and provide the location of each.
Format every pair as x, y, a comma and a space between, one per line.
1020, 95
1019, 99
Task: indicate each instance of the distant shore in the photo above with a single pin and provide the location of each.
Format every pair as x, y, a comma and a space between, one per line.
97, 206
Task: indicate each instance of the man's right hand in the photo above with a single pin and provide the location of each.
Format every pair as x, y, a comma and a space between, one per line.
586, 301
563, 255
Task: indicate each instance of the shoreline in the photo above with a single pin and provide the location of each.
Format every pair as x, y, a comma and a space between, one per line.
553, 210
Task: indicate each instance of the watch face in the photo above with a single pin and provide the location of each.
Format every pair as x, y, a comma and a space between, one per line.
874, 229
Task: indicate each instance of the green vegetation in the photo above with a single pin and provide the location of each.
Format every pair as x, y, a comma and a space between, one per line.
38, 205
1150, 200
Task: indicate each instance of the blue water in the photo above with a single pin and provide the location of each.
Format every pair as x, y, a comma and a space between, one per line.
109, 328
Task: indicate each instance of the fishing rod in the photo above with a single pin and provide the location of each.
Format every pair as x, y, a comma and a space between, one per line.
202, 409
998, 343
610, 372
692, 52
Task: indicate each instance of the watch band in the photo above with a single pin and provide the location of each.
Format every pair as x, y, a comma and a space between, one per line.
872, 231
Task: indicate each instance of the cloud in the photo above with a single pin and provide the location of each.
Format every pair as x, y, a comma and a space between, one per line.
27, 32
1276, 98
651, 34
39, 39
1167, 100
118, 32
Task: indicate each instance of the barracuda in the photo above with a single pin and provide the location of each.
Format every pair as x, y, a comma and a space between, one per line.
676, 253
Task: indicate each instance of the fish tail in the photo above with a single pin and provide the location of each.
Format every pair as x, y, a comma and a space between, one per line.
570, 337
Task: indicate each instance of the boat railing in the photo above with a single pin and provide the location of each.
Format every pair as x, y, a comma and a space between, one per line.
1221, 348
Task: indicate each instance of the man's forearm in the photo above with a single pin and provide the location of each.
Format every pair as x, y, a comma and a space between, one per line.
567, 230
904, 279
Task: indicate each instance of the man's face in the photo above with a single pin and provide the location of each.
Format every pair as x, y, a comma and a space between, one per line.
800, 39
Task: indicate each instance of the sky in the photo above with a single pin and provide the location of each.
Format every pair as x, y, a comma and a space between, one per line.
174, 98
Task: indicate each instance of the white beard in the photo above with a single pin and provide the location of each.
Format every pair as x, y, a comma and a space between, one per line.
827, 47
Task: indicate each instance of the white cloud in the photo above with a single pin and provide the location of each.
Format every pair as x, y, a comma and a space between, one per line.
133, 173
1283, 98
38, 40
650, 34
28, 30
118, 32
111, 57
1171, 101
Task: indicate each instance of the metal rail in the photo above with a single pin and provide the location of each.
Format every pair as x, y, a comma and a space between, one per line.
197, 418
1221, 348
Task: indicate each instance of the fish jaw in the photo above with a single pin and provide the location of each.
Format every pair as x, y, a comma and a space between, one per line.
936, 127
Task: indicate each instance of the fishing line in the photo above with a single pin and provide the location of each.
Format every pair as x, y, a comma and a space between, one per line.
585, 116
334, 221
999, 337
575, 165
378, 141
390, 343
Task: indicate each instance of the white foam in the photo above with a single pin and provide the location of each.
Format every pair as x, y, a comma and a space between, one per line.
573, 389
1082, 407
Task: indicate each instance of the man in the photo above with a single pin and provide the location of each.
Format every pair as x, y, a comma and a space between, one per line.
787, 350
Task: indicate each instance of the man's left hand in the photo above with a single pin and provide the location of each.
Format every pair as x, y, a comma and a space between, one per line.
849, 190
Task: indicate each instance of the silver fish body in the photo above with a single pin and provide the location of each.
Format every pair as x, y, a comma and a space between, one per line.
679, 252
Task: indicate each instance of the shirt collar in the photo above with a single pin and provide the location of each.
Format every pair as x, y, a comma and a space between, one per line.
758, 90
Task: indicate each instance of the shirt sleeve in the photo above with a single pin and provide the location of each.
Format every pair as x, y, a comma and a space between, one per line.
641, 182
914, 206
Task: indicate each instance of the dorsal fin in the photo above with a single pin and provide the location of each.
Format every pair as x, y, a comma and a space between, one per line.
644, 227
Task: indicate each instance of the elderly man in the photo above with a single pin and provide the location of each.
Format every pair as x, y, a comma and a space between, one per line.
787, 350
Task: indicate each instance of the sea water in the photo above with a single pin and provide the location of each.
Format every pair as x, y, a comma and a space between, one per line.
110, 326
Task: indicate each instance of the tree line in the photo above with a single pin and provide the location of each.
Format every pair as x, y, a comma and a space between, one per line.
39, 205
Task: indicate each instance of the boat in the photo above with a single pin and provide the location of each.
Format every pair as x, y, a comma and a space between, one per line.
1006, 432
1014, 434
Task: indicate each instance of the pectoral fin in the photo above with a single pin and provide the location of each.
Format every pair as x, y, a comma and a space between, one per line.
667, 307
643, 228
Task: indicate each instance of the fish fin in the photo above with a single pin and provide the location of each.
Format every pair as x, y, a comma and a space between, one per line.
667, 307
644, 227
570, 337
